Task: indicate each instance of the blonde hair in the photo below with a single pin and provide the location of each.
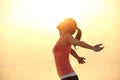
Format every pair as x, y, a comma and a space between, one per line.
70, 23
67, 23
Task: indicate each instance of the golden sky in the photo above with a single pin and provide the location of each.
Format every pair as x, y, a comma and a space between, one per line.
28, 33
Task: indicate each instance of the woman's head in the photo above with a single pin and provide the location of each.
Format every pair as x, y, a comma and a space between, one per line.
68, 25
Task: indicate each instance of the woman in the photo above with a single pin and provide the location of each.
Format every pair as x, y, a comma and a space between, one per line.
62, 49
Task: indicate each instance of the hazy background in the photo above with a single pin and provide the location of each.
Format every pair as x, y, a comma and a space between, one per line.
28, 33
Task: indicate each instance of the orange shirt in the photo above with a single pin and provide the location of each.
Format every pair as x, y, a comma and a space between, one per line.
61, 55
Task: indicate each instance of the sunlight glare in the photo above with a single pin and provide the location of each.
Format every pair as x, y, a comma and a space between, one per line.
35, 12
28, 35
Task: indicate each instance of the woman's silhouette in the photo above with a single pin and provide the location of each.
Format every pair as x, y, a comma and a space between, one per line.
62, 49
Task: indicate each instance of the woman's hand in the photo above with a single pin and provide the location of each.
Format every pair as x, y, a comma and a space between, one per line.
81, 60
97, 47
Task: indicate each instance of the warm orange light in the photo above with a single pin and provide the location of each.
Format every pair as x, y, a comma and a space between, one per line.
28, 33
29, 12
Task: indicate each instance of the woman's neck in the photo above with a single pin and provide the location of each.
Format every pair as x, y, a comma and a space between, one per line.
63, 33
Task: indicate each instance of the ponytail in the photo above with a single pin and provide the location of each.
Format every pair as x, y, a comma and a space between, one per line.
79, 34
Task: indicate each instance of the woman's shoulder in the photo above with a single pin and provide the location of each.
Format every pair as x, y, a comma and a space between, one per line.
70, 39
65, 40
66, 36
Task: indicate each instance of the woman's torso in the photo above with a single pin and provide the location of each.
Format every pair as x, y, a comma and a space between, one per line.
61, 55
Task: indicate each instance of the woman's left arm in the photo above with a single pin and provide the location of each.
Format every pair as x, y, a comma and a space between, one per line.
74, 54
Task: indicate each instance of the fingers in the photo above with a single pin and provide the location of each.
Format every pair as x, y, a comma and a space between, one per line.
99, 49
81, 60
98, 45
84, 62
102, 48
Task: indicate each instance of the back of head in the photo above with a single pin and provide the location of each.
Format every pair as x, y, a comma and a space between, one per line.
68, 23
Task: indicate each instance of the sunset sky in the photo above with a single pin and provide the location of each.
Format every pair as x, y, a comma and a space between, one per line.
28, 33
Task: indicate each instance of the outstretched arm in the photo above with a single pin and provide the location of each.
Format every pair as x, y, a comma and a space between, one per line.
79, 59
73, 41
